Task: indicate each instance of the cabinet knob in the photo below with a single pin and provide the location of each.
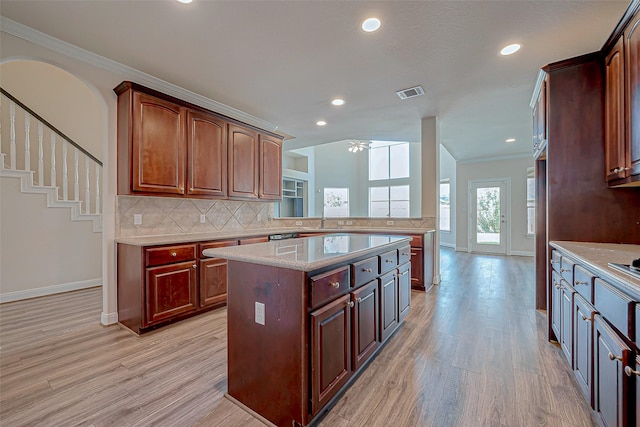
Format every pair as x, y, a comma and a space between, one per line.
358, 300
334, 284
195, 266
414, 253
387, 260
351, 304
173, 254
404, 254
587, 319
366, 270
629, 371
191, 189
614, 357
578, 282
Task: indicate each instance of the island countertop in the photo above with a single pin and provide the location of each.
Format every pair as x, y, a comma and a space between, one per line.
309, 253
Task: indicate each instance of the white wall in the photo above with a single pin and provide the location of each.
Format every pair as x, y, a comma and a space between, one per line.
516, 170
448, 171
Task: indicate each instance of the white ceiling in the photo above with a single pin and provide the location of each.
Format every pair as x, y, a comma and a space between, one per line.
283, 61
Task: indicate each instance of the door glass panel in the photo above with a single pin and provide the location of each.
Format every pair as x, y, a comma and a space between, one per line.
488, 215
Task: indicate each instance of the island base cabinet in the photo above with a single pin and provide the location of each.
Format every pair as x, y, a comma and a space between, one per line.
583, 314
566, 330
388, 305
366, 331
331, 350
556, 306
611, 386
404, 291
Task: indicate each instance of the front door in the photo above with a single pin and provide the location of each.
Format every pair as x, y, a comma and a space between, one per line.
488, 216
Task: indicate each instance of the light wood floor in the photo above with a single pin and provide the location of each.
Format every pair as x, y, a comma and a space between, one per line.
471, 353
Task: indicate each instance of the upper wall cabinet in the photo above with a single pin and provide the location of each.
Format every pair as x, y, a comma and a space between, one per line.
622, 107
167, 147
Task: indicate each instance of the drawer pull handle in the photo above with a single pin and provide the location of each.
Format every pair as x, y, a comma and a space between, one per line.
403, 273
173, 254
564, 270
366, 270
195, 266
629, 371
587, 319
414, 253
358, 300
388, 260
404, 254
351, 304
334, 284
553, 261
614, 357
578, 282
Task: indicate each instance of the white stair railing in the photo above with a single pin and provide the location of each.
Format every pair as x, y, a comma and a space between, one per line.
21, 157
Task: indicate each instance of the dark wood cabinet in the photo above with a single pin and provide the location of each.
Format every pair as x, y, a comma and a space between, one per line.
566, 329
615, 150
633, 372
157, 145
331, 350
206, 155
388, 304
366, 327
251, 240
170, 291
243, 162
213, 275
583, 313
270, 168
404, 291
612, 393
632, 74
556, 306
417, 267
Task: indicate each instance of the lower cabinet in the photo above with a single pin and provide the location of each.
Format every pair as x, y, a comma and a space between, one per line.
633, 372
388, 304
611, 383
566, 332
366, 327
556, 305
331, 350
583, 313
213, 276
171, 290
404, 291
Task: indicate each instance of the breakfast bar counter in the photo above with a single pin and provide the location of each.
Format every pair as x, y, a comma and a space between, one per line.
306, 315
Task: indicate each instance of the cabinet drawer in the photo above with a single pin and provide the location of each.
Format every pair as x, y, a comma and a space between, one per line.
218, 244
329, 285
388, 261
555, 260
614, 306
566, 269
404, 255
416, 241
583, 282
170, 254
364, 271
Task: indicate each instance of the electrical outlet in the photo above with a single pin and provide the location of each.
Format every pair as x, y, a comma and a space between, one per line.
298, 222
203, 218
137, 219
389, 222
349, 222
259, 313
340, 222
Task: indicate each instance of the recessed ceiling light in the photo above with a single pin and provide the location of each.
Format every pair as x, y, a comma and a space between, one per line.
511, 49
510, 140
185, 1
337, 102
321, 123
370, 25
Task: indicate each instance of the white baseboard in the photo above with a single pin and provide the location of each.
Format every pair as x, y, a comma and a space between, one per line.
522, 253
447, 245
461, 249
109, 318
437, 279
49, 290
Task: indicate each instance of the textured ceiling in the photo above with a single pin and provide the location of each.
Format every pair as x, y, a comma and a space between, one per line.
283, 61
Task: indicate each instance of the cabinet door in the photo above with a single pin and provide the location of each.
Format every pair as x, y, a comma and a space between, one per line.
583, 314
404, 291
243, 162
633, 372
388, 305
206, 154
566, 333
556, 305
213, 281
611, 384
270, 168
417, 268
170, 290
632, 73
615, 152
158, 146
366, 328
330, 350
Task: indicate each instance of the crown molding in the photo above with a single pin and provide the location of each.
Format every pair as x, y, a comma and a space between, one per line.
127, 73
493, 159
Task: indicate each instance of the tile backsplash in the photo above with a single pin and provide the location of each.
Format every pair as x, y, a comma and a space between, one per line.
166, 215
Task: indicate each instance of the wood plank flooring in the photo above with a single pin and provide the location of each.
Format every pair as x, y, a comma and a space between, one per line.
471, 353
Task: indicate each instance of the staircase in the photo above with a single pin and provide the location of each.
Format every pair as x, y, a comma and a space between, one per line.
61, 160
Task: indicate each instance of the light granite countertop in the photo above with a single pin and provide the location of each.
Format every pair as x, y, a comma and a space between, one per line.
238, 234
310, 253
596, 257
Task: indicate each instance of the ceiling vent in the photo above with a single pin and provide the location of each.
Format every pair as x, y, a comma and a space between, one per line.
412, 92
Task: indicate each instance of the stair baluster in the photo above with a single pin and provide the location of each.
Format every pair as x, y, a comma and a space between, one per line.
65, 172
40, 154
12, 137
87, 196
53, 159
76, 176
97, 190
27, 141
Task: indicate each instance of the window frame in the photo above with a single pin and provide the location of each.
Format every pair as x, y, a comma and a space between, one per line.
445, 181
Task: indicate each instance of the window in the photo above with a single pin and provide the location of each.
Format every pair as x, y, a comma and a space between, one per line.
445, 205
336, 202
531, 202
392, 201
388, 160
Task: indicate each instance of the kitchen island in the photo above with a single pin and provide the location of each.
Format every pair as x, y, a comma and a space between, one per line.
306, 315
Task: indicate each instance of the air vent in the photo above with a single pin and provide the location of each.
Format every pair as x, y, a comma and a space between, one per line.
412, 92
